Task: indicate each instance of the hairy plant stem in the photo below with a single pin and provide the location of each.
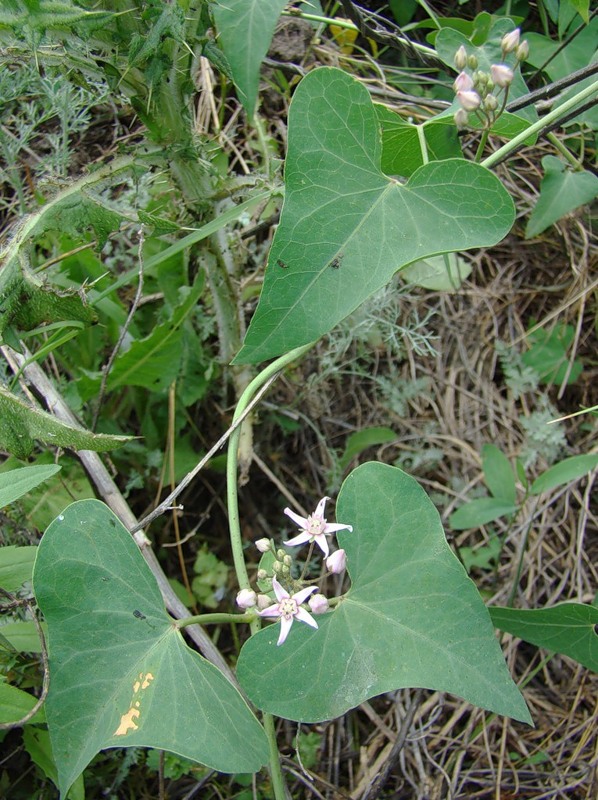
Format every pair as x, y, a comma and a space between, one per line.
232, 496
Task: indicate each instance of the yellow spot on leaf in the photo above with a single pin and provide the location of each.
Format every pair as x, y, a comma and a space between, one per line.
127, 721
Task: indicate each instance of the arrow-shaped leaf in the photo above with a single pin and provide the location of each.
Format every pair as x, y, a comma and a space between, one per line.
346, 228
120, 672
411, 618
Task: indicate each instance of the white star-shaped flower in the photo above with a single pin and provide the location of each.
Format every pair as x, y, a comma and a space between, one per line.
288, 608
315, 528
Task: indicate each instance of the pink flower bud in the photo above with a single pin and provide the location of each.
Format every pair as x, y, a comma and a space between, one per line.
263, 545
461, 58
263, 601
337, 561
463, 82
318, 604
246, 598
522, 52
461, 118
501, 75
510, 41
469, 100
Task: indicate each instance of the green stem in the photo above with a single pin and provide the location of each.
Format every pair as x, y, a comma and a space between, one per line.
231, 462
275, 768
237, 543
553, 116
481, 145
564, 151
423, 145
213, 619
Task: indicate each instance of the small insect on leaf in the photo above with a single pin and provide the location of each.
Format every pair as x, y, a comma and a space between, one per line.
336, 261
138, 614
282, 264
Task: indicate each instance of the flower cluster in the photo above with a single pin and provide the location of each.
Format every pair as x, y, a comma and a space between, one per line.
485, 93
290, 601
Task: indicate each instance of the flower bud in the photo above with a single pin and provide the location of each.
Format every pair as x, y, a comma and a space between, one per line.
280, 554
461, 58
287, 560
472, 62
522, 52
263, 545
337, 561
246, 598
469, 100
318, 604
285, 570
501, 75
263, 601
510, 41
262, 574
277, 567
461, 118
463, 82
490, 103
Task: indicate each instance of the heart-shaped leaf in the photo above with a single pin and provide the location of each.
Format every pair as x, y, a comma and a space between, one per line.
120, 672
346, 228
411, 618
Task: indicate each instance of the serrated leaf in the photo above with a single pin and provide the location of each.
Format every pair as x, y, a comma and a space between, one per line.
479, 512
17, 482
570, 469
120, 671
20, 425
568, 628
16, 565
245, 30
412, 617
561, 191
346, 228
498, 474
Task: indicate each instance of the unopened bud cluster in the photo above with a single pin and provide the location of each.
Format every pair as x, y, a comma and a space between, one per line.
485, 93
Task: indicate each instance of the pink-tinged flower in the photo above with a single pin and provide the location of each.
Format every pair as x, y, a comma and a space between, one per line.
510, 41
522, 52
246, 598
461, 57
263, 601
501, 75
288, 608
337, 561
469, 100
263, 545
314, 528
463, 82
318, 603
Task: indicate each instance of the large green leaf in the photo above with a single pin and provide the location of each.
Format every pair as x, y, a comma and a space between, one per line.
411, 618
569, 628
346, 228
120, 671
245, 29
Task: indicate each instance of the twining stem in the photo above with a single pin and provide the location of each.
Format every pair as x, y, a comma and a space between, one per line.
552, 116
267, 374
214, 619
